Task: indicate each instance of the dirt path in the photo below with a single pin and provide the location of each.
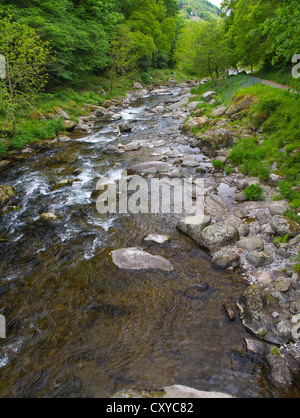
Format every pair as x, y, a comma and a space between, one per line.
273, 84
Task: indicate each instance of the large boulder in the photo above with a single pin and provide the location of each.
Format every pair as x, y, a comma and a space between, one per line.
135, 259
208, 95
151, 167
194, 123
215, 139
218, 235
49, 219
251, 244
241, 103
194, 225
283, 226
256, 308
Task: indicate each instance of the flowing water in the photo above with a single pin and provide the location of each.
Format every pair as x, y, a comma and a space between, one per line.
77, 326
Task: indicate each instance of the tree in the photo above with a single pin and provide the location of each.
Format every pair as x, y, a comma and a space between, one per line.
26, 56
202, 49
126, 52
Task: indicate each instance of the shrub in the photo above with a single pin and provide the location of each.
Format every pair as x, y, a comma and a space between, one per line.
218, 164
2, 148
254, 192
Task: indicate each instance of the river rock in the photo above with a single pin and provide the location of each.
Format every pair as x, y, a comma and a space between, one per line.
135, 259
171, 392
69, 125
283, 284
138, 86
259, 258
251, 244
61, 113
193, 105
6, 194
242, 227
208, 95
220, 111
151, 167
49, 218
280, 372
194, 123
125, 128
225, 259
283, 226
240, 104
256, 308
279, 208
262, 278
158, 239
215, 139
218, 235
255, 346
194, 225
132, 146
63, 183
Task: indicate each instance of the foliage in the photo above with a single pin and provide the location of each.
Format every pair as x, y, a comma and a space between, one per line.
201, 8
218, 164
202, 49
254, 192
25, 56
282, 240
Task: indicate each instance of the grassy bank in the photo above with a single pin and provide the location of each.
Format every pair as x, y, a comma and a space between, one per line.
39, 122
275, 121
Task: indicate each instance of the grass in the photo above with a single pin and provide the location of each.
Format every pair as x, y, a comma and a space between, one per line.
225, 88
275, 120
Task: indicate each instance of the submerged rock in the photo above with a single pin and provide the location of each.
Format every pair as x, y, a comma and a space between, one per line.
135, 259
49, 218
63, 183
151, 167
280, 372
256, 308
158, 239
6, 194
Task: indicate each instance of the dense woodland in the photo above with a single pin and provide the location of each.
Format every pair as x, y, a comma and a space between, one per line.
48, 44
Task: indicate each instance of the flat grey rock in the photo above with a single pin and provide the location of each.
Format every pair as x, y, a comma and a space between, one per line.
135, 259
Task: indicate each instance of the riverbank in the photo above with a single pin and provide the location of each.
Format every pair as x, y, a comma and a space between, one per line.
61, 109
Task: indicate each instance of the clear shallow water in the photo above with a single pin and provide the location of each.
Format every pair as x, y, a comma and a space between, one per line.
78, 326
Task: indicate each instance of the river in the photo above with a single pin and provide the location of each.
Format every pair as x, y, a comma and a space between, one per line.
77, 326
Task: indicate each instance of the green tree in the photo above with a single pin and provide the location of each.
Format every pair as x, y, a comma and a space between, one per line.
26, 56
202, 49
127, 51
